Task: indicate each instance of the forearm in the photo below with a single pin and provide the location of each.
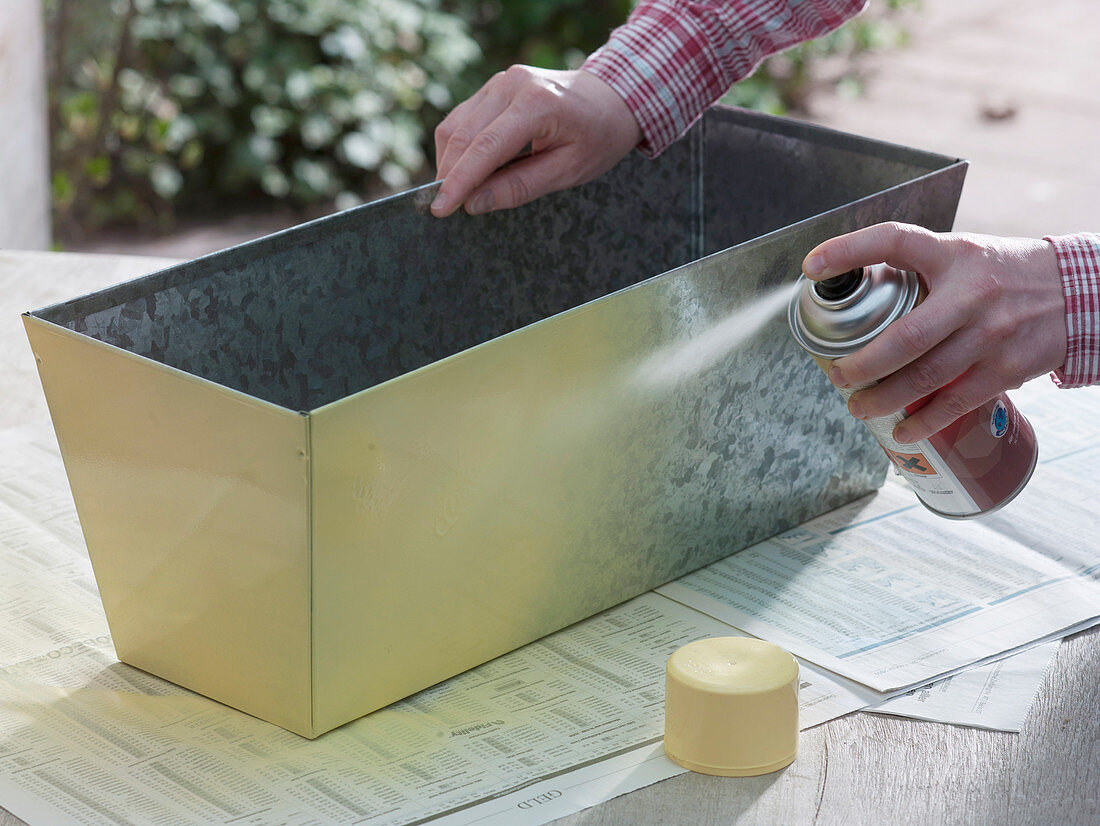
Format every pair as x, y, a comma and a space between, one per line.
1079, 265
672, 58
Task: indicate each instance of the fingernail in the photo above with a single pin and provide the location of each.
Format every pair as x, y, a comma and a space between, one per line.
903, 435
815, 265
836, 376
441, 204
856, 408
481, 202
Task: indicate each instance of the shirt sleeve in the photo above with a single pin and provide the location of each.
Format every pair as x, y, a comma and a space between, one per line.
1079, 264
674, 58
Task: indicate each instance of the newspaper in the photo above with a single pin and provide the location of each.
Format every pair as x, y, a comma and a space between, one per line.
554, 727
997, 696
85, 737
886, 593
562, 724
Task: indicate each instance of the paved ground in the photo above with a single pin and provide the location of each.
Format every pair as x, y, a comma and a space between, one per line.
1010, 85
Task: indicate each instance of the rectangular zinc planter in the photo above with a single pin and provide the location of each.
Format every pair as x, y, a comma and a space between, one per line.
323, 470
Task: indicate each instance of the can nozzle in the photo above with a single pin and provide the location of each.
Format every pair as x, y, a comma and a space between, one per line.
840, 286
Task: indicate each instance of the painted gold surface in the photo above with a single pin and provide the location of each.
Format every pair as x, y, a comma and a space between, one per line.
194, 502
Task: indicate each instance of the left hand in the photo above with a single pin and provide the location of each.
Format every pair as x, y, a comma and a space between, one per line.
576, 125
993, 318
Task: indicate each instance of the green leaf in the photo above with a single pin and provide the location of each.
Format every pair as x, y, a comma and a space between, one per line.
192, 155
218, 14
186, 86
180, 130
271, 121
263, 148
299, 87
166, 179
62, 190
98, 169
361, 150
318, 130
274, 182
394, 175
314, 176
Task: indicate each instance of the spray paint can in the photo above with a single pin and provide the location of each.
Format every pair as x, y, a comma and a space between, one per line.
973, 466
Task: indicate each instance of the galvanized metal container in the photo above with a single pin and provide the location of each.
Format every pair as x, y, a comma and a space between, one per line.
323, 470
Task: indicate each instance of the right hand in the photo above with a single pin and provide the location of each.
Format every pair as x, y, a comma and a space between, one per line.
577, 126
995, 316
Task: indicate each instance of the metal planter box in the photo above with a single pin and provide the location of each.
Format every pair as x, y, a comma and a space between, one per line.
323, 470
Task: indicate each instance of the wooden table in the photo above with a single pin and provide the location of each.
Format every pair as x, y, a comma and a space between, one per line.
860, 769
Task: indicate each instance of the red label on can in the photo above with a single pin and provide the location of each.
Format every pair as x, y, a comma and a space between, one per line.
991, 450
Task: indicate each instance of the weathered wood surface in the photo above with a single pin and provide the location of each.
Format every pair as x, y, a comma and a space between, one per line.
860, 769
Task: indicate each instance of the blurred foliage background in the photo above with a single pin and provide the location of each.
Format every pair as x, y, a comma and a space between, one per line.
168, 108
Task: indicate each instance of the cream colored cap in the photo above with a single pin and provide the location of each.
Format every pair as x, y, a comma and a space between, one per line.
731, 707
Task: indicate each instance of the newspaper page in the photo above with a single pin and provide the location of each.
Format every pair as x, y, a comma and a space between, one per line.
888, 594
559, 725
47, 592
997, 696
84, 737
529, 737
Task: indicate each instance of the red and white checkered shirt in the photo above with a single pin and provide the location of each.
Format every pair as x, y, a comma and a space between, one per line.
674, 58
1079, 261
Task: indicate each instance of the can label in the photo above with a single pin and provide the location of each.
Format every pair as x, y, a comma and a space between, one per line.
954, 471
990, 452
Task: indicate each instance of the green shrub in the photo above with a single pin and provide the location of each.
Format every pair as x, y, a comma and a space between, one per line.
550, 34
164, 104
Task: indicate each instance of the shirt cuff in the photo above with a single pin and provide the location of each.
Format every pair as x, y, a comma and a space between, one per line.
1079, 265
673, 59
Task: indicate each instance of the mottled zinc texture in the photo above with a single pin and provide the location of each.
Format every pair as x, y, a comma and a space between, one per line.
321, 312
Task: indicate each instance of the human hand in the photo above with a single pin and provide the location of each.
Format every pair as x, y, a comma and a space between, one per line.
993, 318
577, 126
